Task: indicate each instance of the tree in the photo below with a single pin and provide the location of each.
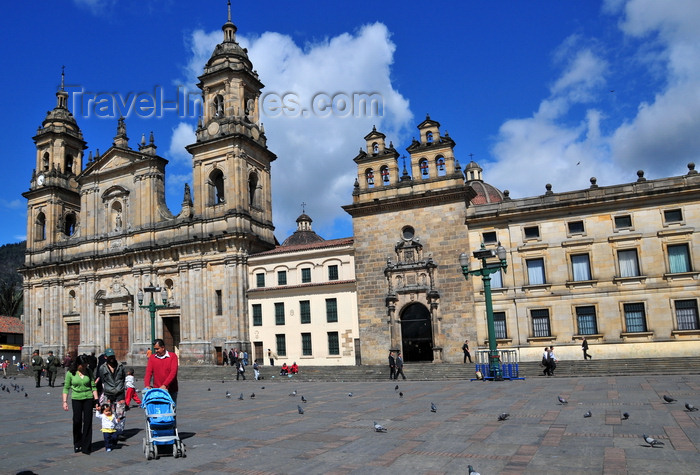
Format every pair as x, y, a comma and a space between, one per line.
11, 299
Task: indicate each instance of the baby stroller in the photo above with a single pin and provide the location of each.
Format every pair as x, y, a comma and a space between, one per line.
161, 427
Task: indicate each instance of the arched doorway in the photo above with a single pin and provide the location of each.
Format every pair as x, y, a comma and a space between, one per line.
416, 333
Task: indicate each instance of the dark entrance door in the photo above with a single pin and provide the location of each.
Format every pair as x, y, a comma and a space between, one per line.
259, 352
119, 335
73, 334
416, 333
171, 332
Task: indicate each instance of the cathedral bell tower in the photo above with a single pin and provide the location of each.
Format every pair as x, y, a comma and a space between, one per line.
53, 198
230, 157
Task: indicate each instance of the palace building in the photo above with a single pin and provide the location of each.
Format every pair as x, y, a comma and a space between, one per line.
616, 264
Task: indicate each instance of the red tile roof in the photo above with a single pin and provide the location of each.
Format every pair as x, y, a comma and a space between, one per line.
307, 247
11, 325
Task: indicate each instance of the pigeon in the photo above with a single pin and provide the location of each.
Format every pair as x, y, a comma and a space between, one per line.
252, 396
262, 387
401, 394
25, 395
471, 471
433, 407
396, 388
562, 400
222, 381
690, 407
625, 416
349, 394
240, 398
503, 416
303, 399
293, 393
301, 411
208, 389
651, 441
587, 414
379, 428
228, 395
669, 399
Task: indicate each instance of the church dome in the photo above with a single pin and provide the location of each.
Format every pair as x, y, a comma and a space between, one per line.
304, 234
485, 193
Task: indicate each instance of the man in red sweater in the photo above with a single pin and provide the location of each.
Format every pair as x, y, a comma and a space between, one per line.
162, 366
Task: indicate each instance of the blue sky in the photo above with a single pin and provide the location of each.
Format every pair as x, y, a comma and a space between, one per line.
538, 91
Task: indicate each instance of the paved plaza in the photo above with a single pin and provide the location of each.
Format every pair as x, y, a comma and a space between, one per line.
267, 435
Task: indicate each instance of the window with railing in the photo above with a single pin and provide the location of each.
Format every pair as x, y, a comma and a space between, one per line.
499, 324
687, 314
635, 317
540, 323
585, 318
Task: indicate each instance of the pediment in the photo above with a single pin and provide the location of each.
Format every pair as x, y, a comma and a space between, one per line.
113, 159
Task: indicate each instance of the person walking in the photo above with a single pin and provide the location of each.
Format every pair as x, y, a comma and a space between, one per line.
131, 388
240, 370
256, 370
392, 366
162, 368
552, 361
109, 426
37, 366
399, 366
584, 347
545, 362
80, 383
272, 356
113, 378
224, 354
465, 349
231, 359
52, 365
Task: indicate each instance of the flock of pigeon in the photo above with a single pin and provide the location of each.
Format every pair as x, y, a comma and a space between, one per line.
14, 388
652, 442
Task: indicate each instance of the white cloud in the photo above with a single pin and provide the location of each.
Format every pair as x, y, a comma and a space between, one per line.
96, 7
563, 143
314, 163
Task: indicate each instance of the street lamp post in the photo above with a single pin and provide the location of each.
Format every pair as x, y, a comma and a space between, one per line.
485, 272
152, 306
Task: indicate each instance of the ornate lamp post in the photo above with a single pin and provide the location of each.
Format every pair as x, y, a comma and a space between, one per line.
152, 307
485, 272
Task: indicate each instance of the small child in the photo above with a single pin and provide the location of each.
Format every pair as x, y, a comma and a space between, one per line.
131, 389
109, 430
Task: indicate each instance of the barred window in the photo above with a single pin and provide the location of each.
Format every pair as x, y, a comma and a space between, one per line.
279, 313
305, 311
333, 272
305, 276
635, 318
333, 345
306, 344
585, 317
499, 323
257, 315
282, 277
260, 280
331, 310
281, 345
540, 322
687, 314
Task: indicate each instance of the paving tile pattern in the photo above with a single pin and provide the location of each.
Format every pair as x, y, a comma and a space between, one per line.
266, 435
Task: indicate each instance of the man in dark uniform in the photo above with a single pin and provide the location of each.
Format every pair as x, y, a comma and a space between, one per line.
37, 367
392, 366
52, 365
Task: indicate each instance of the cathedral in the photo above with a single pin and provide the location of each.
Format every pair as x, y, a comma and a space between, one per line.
98, 229
617, 265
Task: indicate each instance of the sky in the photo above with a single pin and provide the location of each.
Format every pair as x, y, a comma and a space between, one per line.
536, 92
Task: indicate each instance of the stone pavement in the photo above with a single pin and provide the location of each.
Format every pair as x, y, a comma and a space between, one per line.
267, 435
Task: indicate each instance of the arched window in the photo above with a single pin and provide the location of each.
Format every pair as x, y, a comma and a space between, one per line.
429, 137
216, 187
423, 165
369, 173
252, 189
40, 227
45, 161
375, 148
116, 218
440, 163
384, 171
68, 164
69, 224
218, 106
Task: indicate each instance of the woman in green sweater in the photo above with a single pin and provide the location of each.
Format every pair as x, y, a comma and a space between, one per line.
81, 384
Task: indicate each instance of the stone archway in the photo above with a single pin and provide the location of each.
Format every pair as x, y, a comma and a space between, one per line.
416, 333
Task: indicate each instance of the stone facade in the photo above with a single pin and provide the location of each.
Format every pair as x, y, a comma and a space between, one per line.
98, 234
